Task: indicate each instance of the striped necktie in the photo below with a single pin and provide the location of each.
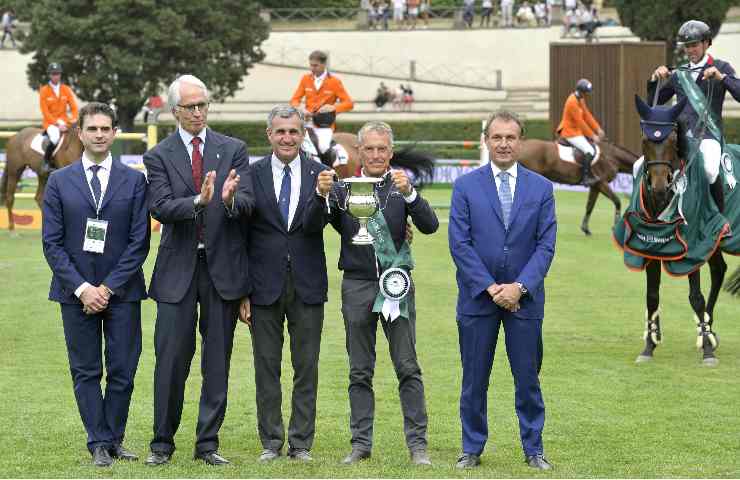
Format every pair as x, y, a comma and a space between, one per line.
504, 195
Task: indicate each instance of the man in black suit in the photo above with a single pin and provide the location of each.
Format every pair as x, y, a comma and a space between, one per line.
96, 237
363, 305
288, 275
201, 260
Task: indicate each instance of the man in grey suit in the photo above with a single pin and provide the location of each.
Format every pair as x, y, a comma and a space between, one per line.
287, 268
201, 261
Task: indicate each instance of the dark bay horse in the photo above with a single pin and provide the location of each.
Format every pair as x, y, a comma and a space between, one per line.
419, 163
662, 161
20, 155
543, 157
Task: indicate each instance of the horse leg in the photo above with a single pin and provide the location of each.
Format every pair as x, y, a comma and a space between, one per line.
39, 197
593, 194
718, 269
706, 340
10, 200
609, 193
652, 335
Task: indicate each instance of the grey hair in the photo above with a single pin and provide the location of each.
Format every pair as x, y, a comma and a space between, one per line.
375, 126
506, 116
173, 93
285, 111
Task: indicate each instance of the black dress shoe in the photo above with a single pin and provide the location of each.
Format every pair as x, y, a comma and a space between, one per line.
122, 453
158, 458
468, 460
211, 458
355, 456
101, 457
538, 461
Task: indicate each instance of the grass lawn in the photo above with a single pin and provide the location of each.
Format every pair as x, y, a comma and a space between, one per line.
606, 417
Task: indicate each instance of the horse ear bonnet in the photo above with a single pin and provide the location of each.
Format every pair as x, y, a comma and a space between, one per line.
658, 122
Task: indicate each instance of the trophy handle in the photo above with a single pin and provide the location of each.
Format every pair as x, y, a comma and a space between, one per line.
344, 186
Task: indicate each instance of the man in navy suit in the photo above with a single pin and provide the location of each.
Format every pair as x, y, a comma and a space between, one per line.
96, 237
202, 260
287, 268
502, 239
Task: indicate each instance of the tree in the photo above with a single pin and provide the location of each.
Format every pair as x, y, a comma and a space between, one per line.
124, 51
659, 20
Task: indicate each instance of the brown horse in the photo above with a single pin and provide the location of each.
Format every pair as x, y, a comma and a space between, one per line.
543, 157
419, 163
20, 155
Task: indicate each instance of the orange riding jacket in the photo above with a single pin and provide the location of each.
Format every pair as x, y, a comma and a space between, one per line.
331, 90
54, 108
577, 119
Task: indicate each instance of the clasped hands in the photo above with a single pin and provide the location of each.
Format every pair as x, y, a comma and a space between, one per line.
227, 192
95, 299
506, 295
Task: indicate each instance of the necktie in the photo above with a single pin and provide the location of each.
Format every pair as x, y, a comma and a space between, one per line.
197, 164
95, 184
504, 195
284, 203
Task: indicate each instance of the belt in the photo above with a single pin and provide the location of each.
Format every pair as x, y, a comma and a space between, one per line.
202, 253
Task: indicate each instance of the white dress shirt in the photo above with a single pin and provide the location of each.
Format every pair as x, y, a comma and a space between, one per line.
318, 81
512, 177
56, 87
696, 67
187, 139
103, 176
295, 183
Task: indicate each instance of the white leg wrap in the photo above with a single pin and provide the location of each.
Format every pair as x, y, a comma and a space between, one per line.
704, 329
651, 327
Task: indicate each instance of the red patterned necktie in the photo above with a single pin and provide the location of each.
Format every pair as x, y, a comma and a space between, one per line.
197, 164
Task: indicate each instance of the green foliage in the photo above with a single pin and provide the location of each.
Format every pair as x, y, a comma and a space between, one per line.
126, 50
659, 20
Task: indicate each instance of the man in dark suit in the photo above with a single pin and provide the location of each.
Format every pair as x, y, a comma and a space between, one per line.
287, 269
502, 239
201, 260
96, 237
363, 304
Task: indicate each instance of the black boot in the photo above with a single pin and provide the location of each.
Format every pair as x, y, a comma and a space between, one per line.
588, 178
46, 165
718, 194
329, 157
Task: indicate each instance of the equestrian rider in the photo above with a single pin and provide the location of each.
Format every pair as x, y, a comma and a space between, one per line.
578, 123
59, 109
325, 97
711, 75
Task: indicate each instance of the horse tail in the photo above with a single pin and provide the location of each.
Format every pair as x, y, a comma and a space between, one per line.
420, 164
733, 284
4, 184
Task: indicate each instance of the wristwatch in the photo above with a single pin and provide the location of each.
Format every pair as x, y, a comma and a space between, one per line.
522, 288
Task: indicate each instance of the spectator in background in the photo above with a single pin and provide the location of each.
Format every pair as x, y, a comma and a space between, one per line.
382, 96
413, 12
382, 12
399, 10
468, 12
507, 13
540, 13
8, 23
486, 13
398, 97
525, 16
424, 8
550, 4
408, 97
152, 108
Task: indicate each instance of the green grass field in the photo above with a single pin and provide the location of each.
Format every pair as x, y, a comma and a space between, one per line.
606, 417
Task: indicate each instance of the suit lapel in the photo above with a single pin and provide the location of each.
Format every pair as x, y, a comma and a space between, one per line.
180, 160
519, 192
79, 180
212, 153
488, 187
264, 178
309, 170
115, 180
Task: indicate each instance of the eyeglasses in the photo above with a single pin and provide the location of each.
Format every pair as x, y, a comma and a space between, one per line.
197, 107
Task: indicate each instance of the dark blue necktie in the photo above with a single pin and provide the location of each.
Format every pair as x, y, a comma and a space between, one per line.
95, 184
504, 195
284, 203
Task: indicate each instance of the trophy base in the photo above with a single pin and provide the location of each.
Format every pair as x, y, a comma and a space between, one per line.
362, 240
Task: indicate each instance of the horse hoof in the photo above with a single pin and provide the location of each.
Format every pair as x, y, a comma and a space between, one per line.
710, 362
14, 234
643, 359
586, 231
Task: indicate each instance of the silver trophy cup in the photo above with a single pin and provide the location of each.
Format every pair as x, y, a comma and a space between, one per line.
362, 203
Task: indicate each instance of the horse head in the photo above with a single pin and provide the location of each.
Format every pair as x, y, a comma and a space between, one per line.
660, 148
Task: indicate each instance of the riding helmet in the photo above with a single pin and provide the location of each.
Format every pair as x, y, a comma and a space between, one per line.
694, 31
584, 86
54, 68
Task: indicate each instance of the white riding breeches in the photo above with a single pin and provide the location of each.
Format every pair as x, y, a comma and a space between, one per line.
710, 149
323, 135
53, 132
582, 144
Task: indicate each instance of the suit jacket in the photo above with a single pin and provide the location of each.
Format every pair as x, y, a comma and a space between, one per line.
68, 203
689, 118
485, 252
271, 245
171, 194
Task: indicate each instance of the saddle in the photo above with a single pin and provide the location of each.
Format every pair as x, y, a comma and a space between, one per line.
573, 154
40, 140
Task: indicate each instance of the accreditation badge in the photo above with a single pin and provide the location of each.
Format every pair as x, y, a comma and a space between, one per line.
95, 232
395, 283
